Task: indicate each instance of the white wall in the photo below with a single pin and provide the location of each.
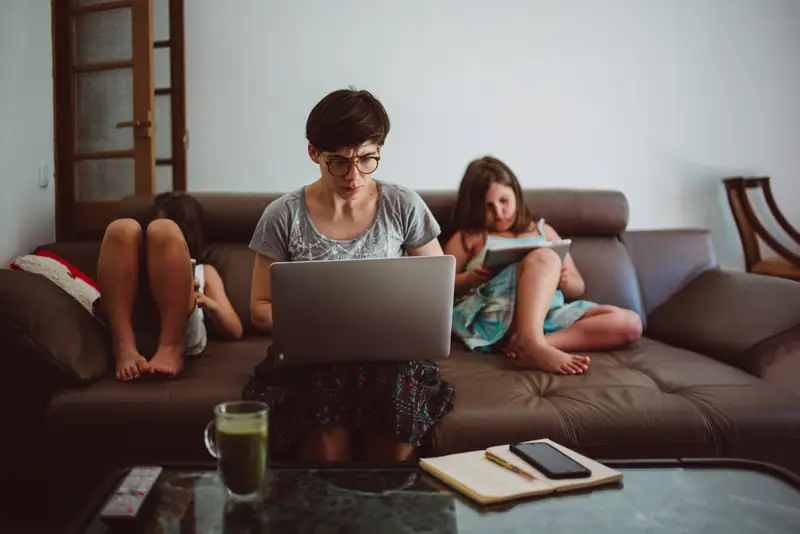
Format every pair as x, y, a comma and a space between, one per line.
657, 98
26, 118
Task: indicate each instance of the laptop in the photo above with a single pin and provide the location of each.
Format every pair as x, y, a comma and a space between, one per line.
363, 310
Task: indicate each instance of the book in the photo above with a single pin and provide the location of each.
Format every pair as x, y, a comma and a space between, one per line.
486, 482
500, 257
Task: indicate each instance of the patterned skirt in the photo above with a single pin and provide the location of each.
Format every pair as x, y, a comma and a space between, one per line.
405, 399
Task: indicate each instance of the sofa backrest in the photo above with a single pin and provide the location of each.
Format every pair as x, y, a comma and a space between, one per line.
232, 217
593, 219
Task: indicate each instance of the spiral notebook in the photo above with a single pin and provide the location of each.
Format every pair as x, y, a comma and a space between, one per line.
485, 482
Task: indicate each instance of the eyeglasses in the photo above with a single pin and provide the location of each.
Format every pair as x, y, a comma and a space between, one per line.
340, 166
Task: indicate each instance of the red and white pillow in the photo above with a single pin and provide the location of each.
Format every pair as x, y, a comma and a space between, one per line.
62, 273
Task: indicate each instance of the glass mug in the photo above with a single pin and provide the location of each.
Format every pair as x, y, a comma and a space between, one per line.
237, 438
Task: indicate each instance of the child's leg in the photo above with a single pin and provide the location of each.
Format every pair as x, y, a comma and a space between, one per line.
171, 284
325, 444
537, 280
603, 327
118, 279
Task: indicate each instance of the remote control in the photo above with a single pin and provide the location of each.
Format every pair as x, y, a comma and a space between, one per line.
129, 498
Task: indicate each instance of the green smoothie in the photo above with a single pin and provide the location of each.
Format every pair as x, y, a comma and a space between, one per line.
242, 445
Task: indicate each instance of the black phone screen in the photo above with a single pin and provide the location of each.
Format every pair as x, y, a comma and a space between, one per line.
550, 461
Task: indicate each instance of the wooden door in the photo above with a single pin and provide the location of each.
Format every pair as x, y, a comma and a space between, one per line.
172, 137
104, 110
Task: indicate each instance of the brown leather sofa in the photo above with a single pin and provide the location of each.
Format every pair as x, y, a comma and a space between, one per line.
717, 373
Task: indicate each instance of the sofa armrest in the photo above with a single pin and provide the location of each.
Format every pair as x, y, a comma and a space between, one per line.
667, 260
777, 360
44, 328
750, 321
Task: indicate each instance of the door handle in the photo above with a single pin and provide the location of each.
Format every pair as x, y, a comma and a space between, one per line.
143, 129
133, 124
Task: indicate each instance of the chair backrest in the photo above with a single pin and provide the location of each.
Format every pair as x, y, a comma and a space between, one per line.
748, 223
736, 190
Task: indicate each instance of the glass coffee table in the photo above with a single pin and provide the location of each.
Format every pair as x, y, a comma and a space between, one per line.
681, 496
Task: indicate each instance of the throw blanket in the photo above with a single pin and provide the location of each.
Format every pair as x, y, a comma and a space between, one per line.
62, 273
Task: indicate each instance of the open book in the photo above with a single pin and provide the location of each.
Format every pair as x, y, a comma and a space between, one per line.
485, 482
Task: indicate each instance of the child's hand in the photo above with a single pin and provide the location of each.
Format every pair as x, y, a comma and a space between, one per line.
203, 301
479, 275
563, 280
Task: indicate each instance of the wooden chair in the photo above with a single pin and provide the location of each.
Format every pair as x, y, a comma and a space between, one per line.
750, 229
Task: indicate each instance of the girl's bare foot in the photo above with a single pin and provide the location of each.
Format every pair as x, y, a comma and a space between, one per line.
130, 364
167, 361
541, 356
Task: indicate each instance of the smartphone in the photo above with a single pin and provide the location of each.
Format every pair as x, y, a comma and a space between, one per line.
550, 461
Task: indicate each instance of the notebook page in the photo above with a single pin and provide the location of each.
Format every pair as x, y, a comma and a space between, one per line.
472, 471
600, 473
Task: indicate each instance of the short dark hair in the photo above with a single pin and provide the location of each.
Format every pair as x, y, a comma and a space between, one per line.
470, 211
185, 211
347, 118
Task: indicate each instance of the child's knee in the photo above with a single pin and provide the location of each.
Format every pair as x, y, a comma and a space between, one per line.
543, 259
162, 231
629, 325
124, 231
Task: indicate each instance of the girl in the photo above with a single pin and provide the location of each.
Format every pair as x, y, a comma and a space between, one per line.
155, 293
524, 307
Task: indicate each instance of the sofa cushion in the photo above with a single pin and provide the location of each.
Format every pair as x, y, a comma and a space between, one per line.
608, 272
650, 400
725, 314
40, 320
112, 424
217, 375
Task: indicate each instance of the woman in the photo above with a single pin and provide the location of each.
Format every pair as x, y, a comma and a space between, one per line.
316, 411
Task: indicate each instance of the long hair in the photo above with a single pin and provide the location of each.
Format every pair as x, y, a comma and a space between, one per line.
469, 215
185, 211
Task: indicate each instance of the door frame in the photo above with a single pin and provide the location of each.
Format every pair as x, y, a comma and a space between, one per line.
64, 113
177, 94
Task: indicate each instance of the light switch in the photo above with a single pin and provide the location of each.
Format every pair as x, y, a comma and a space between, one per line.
44, 175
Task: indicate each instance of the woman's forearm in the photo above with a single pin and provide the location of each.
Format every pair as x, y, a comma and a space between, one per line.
261, 316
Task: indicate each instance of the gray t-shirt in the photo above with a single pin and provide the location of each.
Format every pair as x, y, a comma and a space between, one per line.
403, 222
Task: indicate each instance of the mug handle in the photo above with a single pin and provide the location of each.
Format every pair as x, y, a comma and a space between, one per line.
209, 439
